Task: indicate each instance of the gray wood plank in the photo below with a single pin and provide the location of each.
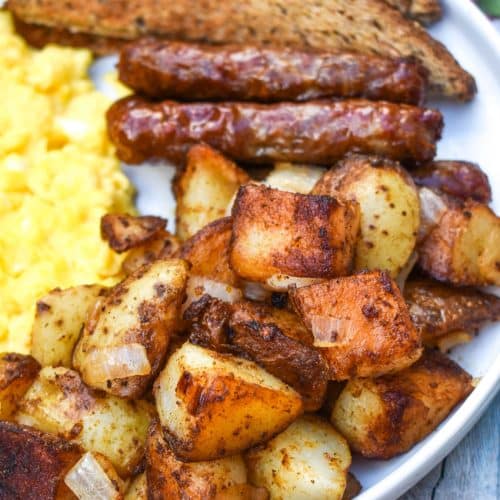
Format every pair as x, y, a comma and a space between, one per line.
472, 470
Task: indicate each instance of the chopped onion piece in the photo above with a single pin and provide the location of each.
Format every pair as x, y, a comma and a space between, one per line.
405, 272
88, 481
451, 340
432, 207
281, 282
197, 286
294, 178
326, 330
109, 363
255, 291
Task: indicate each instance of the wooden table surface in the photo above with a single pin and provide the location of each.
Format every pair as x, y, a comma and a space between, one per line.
472, 470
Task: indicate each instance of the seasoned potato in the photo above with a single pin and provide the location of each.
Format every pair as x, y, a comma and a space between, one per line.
386, 416
17, 373
33, 464
204, 189
281, 233
390, 209
294, 178
309, 460
168, 477
163, 245
124, 343
59, 320
94, 477
138, 490
60, 403
124, 232
360, 324
437, 309
208, 252
464, 247
213, 405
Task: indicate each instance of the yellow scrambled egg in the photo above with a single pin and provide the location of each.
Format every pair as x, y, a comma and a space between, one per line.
58, 176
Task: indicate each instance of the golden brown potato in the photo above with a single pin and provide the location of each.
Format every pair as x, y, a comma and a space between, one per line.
309, 460
138, 490
59, 320
163, 245
390, 209
17, 373
386, 416
281, 233
360, 324
60, 403
208, 252
294, 178
33, 464
123, 231
204, 189
437, 309
94, 477
464, 247
124, 342
213, 405
169, 477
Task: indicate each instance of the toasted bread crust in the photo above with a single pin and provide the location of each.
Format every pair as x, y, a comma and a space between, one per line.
370, 26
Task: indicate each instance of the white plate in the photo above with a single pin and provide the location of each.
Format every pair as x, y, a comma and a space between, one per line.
471, 133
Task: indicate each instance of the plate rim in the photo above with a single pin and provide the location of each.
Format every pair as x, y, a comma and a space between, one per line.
457, 426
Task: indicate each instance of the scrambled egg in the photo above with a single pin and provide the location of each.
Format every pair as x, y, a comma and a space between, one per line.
58, 175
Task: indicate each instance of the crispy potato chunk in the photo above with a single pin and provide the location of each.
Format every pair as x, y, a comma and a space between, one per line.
208, 252
33, 464
124, 343
163, 245
386, 416
310, 460
390, 209
60, 403
168, 477
138, 490
213, 405
360, 324
464, 247
17, 372
281, 233
204, 189
294, 178
59, 320
124, 232
437, 309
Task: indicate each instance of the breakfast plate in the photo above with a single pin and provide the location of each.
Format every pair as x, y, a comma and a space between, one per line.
471, 133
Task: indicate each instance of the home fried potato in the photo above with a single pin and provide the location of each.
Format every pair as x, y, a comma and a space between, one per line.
124, 342
60, 403
138, 489
213, 405
169, 477
204, 189
273, 338
294, 178
123, 231
390, 209
310, 460
33, 464
17, 372
163, 245
360, 324
208, 252
58, 323
281, 233
386, 416
464, 247
437, 309
94, 477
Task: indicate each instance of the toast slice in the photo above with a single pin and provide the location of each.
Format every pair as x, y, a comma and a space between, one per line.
364, 25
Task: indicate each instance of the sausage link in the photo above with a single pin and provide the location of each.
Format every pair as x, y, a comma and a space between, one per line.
318, 132
183, 71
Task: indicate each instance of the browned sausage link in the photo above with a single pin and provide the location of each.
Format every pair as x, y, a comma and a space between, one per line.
461, 179
183, 71
317, 132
